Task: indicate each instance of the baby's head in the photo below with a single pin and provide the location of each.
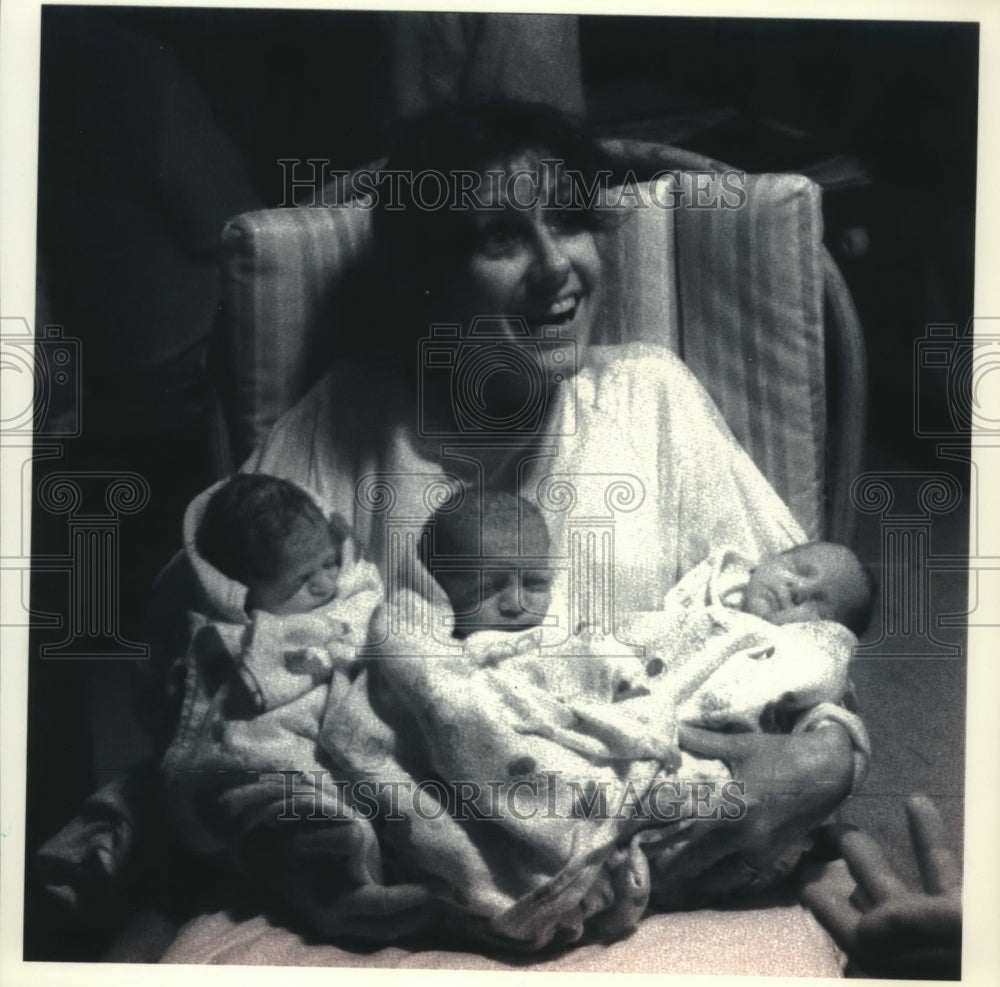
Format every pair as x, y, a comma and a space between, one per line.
269, 535
817, 581
489, 556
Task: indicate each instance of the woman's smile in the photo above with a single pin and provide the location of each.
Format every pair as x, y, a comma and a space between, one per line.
560, 313
540, 264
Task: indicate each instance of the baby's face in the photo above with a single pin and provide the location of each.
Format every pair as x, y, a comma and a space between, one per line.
306, 577
819, 581
506, 598
498, 599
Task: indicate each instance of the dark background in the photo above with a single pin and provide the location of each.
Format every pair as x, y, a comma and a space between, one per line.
883, 114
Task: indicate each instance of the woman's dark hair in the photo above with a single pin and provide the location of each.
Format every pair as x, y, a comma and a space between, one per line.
416, 223
247, 523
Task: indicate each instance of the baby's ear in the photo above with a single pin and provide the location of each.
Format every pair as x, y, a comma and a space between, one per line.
345, 535
339, 527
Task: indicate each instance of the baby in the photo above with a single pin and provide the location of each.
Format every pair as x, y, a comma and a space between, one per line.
270, 535
816, 581
776, 637
488, 554
308, 600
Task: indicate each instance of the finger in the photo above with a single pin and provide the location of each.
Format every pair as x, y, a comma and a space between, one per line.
871, 868
938, 865
826, 893
711, 743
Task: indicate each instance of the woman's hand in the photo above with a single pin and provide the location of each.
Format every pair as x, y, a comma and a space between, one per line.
791, 783
887, 928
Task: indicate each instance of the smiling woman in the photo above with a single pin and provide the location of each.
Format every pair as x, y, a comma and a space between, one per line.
523, 245
489, 383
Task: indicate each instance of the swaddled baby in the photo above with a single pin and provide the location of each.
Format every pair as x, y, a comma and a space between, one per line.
306, 603
775, 638
489, 554
271, 536
816, 581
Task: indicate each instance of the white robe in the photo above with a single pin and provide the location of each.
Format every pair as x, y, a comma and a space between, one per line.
638, 477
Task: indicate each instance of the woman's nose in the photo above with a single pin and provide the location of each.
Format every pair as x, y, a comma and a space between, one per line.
550, 264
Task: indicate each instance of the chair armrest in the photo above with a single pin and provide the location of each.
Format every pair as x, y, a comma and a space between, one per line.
847, 397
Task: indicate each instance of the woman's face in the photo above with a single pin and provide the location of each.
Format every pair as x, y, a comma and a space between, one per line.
528, 258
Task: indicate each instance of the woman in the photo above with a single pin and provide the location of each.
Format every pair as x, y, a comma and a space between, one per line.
485, 373
483, 223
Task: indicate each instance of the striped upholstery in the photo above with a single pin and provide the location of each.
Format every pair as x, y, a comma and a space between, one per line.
751, 296
285, 272
737, 292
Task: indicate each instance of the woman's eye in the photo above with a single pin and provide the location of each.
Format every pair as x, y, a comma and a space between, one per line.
564, 220
499, 239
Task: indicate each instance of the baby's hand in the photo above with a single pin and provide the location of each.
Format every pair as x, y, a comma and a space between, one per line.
286, 656
306, 630
308, 661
